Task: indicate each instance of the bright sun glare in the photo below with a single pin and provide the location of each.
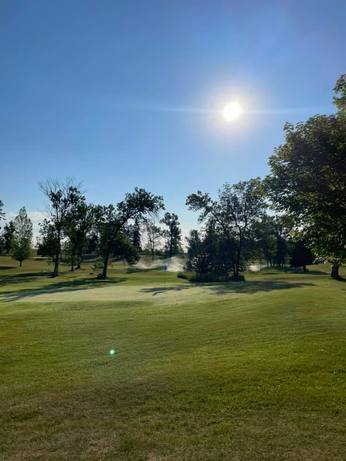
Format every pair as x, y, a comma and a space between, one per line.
232, 111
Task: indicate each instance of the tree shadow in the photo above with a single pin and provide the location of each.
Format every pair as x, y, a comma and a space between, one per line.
160, 290
58, 287
21, 278
252, 287
221, 288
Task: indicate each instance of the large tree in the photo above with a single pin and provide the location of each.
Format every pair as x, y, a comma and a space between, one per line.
308, 182
172, 233
234, 214
62, 198
111, 220
22, 237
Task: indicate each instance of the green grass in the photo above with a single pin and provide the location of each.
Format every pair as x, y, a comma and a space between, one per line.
238, 371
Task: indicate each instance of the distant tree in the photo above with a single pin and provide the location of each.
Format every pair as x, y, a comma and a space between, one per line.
2, 214
78, 223
238, 208
62, 198
265, 236
22, 237
308, 182
172, 234
7, 236
111, 220
300, 255
340, 94
154, 235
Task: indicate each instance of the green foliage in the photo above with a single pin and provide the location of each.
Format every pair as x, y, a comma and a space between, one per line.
300, 255
308, 182
172, 234
78, 224
340, 91
2, 214
111, 220
232, 219
154, 235
7, 236
22, 237
63, 198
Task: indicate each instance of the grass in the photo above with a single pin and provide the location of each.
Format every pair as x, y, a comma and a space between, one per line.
238, 371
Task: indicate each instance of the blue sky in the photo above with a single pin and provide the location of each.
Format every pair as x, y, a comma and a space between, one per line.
111, 92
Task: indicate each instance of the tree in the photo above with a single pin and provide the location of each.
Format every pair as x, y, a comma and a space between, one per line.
266, 239
154, 235
136, 234
111, 220
22, 237
2, 214
238, 208
301, 255
47, 243
340, 91
78, 223
62, 198
7, 236
308, 182
172, 234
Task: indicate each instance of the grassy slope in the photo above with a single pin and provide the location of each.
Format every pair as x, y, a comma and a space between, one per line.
252, 371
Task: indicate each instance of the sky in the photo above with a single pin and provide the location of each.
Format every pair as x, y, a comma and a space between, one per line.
118, 94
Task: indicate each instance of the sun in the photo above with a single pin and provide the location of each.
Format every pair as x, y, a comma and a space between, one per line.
232, 111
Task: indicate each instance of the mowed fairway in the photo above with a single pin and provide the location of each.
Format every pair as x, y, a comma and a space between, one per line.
238, 371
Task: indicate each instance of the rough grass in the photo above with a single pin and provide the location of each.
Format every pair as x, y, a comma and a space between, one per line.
238, 371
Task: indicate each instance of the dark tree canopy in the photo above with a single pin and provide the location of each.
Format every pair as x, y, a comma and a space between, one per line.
22, 237
2, 214
308, 182
7, 236
340, 94
111, 220
62, 197
233, 216
172, 234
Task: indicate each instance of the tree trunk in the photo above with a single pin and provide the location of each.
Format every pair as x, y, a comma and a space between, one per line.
304, 269
105, 266
57, 256
72, 263
335, 271
20, 263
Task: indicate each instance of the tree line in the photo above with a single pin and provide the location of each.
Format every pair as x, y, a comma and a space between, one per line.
74, 228
296, 214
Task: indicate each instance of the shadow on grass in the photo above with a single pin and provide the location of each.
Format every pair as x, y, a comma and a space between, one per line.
221, 288
133, 270
24, 277
59, 287
255, 286
160, 290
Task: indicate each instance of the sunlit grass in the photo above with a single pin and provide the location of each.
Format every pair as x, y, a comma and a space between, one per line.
248, 371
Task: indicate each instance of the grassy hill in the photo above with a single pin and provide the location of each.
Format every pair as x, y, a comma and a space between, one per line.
238, 371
